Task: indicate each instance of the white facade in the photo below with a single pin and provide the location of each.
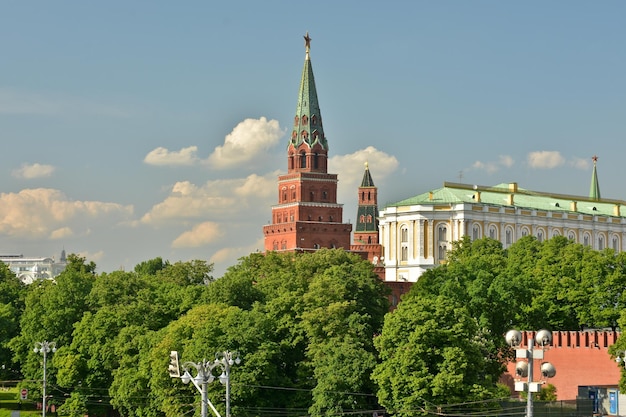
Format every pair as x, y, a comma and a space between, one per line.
417, 233
29, 270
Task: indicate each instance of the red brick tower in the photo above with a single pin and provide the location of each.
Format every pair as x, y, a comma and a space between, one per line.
307, 216
366, 231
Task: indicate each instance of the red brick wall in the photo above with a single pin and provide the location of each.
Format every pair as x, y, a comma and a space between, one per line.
580, 359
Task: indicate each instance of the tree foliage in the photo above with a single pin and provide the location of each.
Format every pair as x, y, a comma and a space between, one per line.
313, 329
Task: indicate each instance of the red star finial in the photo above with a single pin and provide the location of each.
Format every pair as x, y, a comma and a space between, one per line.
594, 159
307, 41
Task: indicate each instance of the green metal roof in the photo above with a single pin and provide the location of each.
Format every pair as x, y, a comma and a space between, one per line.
500, 195
367, 180
308, 121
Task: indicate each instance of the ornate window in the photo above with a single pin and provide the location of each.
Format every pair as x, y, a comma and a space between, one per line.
540, 235
442, 252
493, 232
525, 231
475, 232
369, 218
404, 254
404, 234
508, 237
615, 243
443, 233
275, 245
571, 235
600, 242
586, 239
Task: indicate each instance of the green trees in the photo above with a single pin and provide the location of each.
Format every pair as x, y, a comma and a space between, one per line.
302, 323
432, 352
11, 306
313, 329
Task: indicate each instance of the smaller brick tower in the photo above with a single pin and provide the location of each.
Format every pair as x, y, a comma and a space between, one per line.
307, 216
366, 231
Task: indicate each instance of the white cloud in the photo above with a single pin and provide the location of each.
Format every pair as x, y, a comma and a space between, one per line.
30, 171
230, 255
218, 198
545, 159
350, 167
579, 163
490, 167
41, 213
92, 256
506, 161
201, 234
162, 156
61, 233
249, 140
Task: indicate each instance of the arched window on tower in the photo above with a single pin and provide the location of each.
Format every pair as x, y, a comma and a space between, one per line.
302, 160
369, 218
362, 218
315, 160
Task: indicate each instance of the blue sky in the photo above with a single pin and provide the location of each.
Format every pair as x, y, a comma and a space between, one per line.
137, 129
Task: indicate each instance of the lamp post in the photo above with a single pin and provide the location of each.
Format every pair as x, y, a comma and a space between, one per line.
44, 348
525, 369
204, 376
225, 359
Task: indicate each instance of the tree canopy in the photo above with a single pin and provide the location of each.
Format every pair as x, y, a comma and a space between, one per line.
313, 330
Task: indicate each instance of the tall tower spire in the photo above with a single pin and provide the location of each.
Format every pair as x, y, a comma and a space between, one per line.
307, 216
594, 189
308, 148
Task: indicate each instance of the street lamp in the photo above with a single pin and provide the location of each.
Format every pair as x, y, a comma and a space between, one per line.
204, 376
225, 359
44, 348
525, 369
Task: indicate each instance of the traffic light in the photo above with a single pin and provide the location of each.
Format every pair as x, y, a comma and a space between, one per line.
174, 369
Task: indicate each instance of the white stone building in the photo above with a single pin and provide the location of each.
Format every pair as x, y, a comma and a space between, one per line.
417, 232
29, 270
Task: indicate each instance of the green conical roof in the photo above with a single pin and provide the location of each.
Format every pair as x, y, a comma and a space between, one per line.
367, 180
307, 126
594, 189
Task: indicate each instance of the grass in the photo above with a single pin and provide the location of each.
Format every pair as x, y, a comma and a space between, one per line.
10, 400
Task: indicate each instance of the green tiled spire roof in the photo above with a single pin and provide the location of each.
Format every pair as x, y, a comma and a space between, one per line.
367, 180
594, 189
307, 127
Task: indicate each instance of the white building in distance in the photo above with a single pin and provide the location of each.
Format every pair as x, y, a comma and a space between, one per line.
29, 270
